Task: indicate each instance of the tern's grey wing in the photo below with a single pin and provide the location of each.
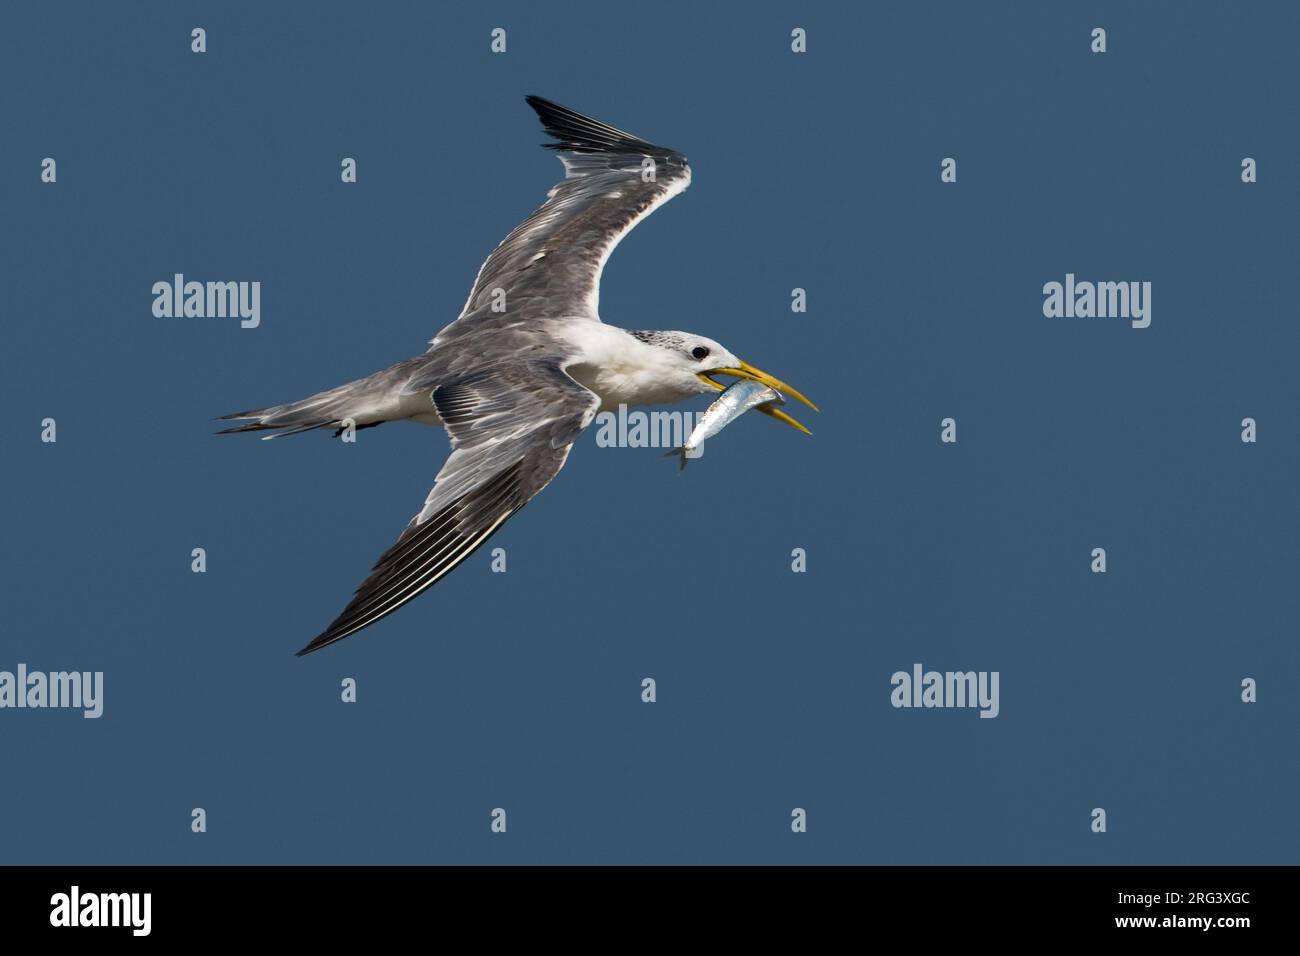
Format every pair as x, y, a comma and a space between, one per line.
550, 265
511, 428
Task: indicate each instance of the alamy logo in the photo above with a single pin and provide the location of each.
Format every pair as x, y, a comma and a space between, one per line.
923, 688
638, 429
1101, 300
103, 909
78, 690
211, 300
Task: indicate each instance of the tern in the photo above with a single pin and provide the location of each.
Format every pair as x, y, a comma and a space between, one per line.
526, 366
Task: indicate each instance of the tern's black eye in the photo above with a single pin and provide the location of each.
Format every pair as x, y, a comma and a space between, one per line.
700, 352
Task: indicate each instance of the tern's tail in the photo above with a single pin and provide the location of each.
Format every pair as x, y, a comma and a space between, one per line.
364, 403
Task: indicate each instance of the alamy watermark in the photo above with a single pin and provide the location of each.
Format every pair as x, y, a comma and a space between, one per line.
208, 300
641, 429
1101, 300
75, 690
922, 688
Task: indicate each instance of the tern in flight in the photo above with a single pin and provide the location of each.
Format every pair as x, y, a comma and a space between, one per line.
525, 367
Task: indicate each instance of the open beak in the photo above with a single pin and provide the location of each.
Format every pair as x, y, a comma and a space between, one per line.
745, 370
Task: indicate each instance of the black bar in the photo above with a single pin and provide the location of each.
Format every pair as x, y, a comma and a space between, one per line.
331, 904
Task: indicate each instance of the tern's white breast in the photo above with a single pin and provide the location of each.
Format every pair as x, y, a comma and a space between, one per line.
622, 369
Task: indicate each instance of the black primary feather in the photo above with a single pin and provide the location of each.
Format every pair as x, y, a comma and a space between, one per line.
583, 134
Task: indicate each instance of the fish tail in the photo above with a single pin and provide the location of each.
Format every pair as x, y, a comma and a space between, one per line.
680, 453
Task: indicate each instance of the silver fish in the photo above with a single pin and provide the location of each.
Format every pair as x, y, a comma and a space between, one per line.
735, 400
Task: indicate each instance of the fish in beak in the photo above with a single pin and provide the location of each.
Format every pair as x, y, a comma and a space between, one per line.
745, 370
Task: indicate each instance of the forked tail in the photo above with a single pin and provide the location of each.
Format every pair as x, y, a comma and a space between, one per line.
364, 403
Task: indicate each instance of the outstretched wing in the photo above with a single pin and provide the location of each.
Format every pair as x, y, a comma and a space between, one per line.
550, 265
511, 428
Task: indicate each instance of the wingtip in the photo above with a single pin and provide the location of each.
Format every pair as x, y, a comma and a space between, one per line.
325, 638
545, 109
338, 629
316, 643
576, 132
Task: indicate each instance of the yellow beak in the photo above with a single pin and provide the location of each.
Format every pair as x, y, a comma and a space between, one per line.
745, 370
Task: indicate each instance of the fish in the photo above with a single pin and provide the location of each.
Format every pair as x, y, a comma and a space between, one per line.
735, 400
